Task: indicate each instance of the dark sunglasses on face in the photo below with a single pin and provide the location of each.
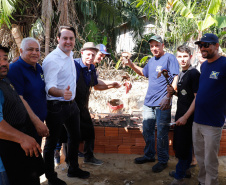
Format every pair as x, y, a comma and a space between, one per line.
206, 44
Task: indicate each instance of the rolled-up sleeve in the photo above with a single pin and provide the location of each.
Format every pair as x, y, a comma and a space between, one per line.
50, 70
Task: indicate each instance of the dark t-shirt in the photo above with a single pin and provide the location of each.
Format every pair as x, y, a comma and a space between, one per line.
157, 86
211, 96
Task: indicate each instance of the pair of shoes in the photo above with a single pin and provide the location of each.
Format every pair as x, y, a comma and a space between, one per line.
178, 182
93, 161
78, 173
187, 175
56, 181
57, 157
80, 154
159, 167
142, 160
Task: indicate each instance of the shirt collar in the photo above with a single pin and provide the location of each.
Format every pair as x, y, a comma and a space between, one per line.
25, 64
62, 54
92, 67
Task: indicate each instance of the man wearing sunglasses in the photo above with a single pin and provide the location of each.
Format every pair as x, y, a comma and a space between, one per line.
209, 109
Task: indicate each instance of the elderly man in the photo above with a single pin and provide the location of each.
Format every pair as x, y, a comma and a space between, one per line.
209, 109
156, 109
86, 79
60, 78
19, 151
27, 77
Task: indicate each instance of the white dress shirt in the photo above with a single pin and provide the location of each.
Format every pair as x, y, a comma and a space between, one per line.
59, 71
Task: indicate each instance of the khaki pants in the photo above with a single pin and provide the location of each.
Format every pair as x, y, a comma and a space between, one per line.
206, 141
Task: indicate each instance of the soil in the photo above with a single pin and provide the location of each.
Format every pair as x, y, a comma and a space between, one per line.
119, 169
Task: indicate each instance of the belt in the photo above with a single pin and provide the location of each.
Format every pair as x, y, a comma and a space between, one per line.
55, 102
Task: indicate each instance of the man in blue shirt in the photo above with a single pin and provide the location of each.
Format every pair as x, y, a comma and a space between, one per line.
209, 109
156, 109
19, 151
27, 77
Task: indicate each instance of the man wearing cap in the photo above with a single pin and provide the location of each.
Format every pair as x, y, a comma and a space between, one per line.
60, 78
101, 53
19, 151
156, 109
209, 109
86, 79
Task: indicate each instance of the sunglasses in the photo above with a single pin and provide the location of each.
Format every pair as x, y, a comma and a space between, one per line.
205, 45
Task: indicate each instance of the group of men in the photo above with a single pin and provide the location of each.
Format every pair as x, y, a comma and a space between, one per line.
58, 92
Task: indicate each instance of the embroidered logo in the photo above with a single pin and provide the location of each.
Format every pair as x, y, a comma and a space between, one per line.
214, 75
42, 76
183, 92
158, 68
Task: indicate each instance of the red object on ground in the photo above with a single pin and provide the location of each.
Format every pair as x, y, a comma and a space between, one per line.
128, 86
115, 105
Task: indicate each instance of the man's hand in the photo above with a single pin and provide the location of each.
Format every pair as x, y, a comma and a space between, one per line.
165, 103
181, 121
30, 146
170, 89
41, 128
116, 85
67, 93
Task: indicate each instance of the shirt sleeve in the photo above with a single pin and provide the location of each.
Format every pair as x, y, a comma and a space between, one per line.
16, 78
50, 70
173, 65
1, 105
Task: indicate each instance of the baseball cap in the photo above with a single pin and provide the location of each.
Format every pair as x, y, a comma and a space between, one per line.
89, 45
156, 38
4, 48
102, 48
208, 37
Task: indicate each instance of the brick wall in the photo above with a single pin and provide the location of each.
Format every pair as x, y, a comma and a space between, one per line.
130, 141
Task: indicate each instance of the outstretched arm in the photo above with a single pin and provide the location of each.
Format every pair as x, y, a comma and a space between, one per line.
137, 69
104, 85
27, 143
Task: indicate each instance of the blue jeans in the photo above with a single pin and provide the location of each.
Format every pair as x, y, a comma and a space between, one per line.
152, 116
182, 166
4, 179
59, 114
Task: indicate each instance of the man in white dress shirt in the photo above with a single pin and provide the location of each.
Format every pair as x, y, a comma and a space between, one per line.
60, 78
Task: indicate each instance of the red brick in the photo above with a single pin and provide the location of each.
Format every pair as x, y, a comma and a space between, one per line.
99, 131
111, 131
129, 141
123, 132
110, 149
102, 140
124, 149
114, 140
137, 150
140, 142
99, 149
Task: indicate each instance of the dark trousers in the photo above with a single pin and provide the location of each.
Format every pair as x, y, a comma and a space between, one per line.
88, 148
61, 113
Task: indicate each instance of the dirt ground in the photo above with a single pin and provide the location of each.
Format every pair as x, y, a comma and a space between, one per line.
119, 169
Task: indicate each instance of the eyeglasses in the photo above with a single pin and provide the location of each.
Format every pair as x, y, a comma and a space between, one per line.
205, 45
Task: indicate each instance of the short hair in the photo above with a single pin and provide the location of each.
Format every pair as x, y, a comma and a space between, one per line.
25, 40
184, 48
5, 49
70, 28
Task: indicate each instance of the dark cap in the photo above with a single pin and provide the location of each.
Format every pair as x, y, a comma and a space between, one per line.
89, 45
156, 38
208, 37
4, 48
102, 48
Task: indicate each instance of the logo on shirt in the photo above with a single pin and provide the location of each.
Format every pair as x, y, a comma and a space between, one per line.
12, 87
214, 75
158, 68
42, 76
183, 92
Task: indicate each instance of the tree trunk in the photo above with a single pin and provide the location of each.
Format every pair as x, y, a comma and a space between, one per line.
63, 10
16, 33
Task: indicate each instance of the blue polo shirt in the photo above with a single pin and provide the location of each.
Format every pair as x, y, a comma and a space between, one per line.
29, 83
157, 86
86, 72
2, 169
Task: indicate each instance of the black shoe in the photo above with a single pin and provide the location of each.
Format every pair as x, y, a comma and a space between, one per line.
142, 160
56, 181
93, 161
159, 167
79, 173
187, 175
80, 154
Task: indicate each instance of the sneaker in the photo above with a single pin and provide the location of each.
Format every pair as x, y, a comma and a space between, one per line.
93, 161
159, 167
187, 175
56, 181
142, 160
178, 182
80, 154
79, 173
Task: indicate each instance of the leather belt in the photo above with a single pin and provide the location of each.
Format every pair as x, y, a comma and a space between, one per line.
55, 102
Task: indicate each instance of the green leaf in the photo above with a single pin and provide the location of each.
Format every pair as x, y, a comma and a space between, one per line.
209, 21
139, 4
117, 64
221, 21
144, 59
214, 6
